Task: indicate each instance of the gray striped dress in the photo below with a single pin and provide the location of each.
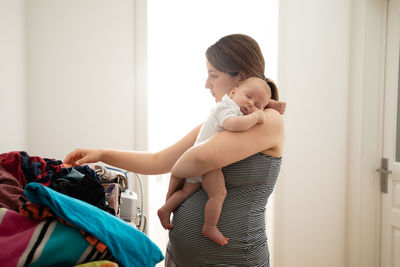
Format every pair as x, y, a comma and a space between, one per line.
249, 183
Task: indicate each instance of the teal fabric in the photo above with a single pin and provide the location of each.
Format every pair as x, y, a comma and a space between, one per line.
74, 174
128, 245
65, 242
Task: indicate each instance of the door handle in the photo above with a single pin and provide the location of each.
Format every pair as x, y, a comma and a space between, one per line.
383, 170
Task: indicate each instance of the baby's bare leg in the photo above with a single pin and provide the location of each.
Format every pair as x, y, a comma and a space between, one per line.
213, 183
174, 201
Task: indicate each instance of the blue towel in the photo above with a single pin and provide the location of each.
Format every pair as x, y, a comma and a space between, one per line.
127, 244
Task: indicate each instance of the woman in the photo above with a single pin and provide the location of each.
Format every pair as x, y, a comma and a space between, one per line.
252, 159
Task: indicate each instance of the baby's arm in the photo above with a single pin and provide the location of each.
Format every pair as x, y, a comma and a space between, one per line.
243, 123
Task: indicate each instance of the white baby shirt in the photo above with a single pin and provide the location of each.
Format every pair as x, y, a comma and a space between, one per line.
213, 124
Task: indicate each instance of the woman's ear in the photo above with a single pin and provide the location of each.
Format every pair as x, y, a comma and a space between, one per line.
242, 77
239, 78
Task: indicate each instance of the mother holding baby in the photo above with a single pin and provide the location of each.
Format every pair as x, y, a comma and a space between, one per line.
250, 161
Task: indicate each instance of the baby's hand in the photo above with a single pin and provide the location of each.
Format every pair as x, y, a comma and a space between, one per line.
277, 105
260, 115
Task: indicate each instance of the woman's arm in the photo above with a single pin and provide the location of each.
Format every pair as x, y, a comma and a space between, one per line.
135, 161
228, 147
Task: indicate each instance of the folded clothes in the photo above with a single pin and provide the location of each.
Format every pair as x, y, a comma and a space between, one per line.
11, 192
31, 169
127, 244
44, 213
107, 176
113, 195
17, 169
28, 242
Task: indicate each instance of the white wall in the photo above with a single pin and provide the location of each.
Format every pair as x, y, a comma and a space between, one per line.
80, 73
12, 76
310, 197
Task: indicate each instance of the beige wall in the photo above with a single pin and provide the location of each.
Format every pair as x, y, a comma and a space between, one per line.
81, 75
310, 200
12, 76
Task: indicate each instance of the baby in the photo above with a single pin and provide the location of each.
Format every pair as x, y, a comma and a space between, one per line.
238, 111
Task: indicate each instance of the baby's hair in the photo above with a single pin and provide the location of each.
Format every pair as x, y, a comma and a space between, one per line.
268, 88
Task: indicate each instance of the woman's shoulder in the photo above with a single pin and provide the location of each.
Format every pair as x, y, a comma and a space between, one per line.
273, 116
273, 125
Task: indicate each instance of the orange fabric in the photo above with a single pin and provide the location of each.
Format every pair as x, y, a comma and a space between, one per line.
36, 212
95, 242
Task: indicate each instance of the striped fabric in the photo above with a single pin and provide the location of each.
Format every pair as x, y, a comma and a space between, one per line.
128, 245
249, 183
27, 242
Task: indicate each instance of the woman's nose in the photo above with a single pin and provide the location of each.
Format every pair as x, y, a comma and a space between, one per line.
207, 85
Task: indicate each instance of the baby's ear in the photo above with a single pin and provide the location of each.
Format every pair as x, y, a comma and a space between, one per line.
232, 92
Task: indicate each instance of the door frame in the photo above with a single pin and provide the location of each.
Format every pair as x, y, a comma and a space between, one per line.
365, 124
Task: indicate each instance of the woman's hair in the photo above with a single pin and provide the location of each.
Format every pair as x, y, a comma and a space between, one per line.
239, 53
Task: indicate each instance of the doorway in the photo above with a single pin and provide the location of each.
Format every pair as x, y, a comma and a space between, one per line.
390, 170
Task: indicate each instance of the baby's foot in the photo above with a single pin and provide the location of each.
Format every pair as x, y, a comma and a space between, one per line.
164, 219
215, 235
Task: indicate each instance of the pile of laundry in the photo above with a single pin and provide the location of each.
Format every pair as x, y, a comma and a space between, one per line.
52, 214
17, 169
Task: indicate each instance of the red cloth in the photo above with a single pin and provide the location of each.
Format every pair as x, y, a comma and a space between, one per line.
12, 163
30, 169
11, 192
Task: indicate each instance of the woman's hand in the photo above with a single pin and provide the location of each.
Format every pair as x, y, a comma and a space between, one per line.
82, 156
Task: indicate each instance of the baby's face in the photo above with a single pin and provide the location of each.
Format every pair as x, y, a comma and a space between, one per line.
251, 95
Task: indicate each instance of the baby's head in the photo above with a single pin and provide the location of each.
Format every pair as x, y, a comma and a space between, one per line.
252, 94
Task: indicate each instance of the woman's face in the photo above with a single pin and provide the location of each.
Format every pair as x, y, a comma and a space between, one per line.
220, 83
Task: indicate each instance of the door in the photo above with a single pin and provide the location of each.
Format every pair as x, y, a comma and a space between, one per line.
390, 224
